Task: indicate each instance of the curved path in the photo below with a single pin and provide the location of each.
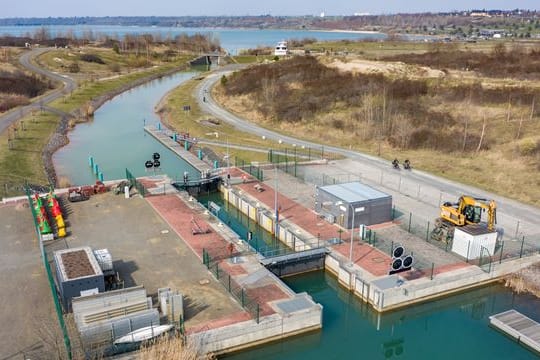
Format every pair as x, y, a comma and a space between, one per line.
513, 211
26, 60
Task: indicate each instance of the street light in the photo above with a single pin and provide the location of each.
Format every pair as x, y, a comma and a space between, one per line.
353, 210
227, 155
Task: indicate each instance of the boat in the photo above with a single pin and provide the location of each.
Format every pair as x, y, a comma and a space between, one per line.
143, 334
281, 49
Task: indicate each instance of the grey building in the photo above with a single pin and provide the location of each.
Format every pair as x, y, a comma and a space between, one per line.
77, 270
336, 204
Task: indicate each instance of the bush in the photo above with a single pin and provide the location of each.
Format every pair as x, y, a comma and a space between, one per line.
529, 147
10, 101
115, 67
21, 84
91, 58
74, 67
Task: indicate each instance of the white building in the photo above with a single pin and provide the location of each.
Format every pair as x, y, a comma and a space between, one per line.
281, 49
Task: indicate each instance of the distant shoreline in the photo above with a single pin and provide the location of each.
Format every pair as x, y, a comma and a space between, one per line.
350, 31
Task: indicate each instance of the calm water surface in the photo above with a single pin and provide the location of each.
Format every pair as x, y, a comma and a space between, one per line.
233, 40
116, 139
454, 328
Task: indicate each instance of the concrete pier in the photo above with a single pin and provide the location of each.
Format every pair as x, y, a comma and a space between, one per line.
518, 326
165, 137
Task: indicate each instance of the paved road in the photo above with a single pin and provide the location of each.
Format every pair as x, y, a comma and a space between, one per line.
26, 60
507, 207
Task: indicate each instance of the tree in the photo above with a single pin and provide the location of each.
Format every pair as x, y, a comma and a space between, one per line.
115, 48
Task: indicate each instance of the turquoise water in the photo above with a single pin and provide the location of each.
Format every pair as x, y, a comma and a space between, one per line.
233, 40
261, 240
116, 139
453, 328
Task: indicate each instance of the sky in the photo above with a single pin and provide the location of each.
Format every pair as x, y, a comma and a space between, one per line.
68, 8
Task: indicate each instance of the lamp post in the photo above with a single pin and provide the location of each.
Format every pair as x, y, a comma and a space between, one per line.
353, 210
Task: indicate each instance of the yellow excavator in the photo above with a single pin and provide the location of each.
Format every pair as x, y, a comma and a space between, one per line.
468, 210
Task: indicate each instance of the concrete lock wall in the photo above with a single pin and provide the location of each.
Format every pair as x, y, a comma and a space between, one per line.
265, 219
249, 333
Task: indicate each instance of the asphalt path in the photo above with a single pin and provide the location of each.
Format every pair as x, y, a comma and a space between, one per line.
517, 210
26, 60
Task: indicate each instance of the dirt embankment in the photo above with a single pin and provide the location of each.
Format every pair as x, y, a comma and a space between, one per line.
59, 138
526, 280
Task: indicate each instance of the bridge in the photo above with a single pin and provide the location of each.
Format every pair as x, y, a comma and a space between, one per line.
296, 262
207, 59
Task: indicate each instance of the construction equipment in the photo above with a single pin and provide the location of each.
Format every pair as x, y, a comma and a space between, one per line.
468, 210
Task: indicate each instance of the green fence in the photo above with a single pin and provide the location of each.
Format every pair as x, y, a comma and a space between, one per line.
136, 183
247, 166
57, 307
249, 303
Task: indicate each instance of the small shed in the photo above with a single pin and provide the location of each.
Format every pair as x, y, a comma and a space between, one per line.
337, 203
474, 241
77, 270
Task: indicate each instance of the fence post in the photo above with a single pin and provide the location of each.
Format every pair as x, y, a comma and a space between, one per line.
229, 282
393, 212
217, 271
258, 313
517, 230
392, 248
410, 219
468, 248
502, 248
242, 297
427, 231
432, 269
522, 243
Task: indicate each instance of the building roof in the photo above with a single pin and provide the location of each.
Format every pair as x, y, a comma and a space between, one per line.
77, 263
354, 192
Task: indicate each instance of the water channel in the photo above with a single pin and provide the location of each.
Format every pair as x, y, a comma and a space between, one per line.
452, 328
116, 139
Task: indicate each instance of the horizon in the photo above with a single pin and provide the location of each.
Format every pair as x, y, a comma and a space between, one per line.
238, 8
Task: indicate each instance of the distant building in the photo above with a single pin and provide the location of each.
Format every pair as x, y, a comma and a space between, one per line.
281, 49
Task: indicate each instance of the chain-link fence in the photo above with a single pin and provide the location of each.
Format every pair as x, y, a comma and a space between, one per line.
252, 169
242, 295
136, 183
57, 306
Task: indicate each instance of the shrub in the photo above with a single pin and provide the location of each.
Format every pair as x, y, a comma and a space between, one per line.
91, 58
74, 67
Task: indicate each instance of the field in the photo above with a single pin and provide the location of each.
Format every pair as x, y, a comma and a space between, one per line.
202, 126
463, 125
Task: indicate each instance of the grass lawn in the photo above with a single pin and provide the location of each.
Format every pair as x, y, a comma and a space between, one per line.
24, 161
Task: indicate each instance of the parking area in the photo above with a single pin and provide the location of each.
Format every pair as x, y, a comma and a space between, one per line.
29, 327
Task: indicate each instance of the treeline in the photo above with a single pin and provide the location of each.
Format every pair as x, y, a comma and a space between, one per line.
514, 61
402, 111
399, 20
128, 42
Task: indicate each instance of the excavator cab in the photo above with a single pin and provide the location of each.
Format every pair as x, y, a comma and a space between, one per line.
468, 210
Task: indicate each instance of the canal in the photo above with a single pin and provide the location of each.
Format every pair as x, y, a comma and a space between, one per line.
116, 139
450, 328
455, 327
